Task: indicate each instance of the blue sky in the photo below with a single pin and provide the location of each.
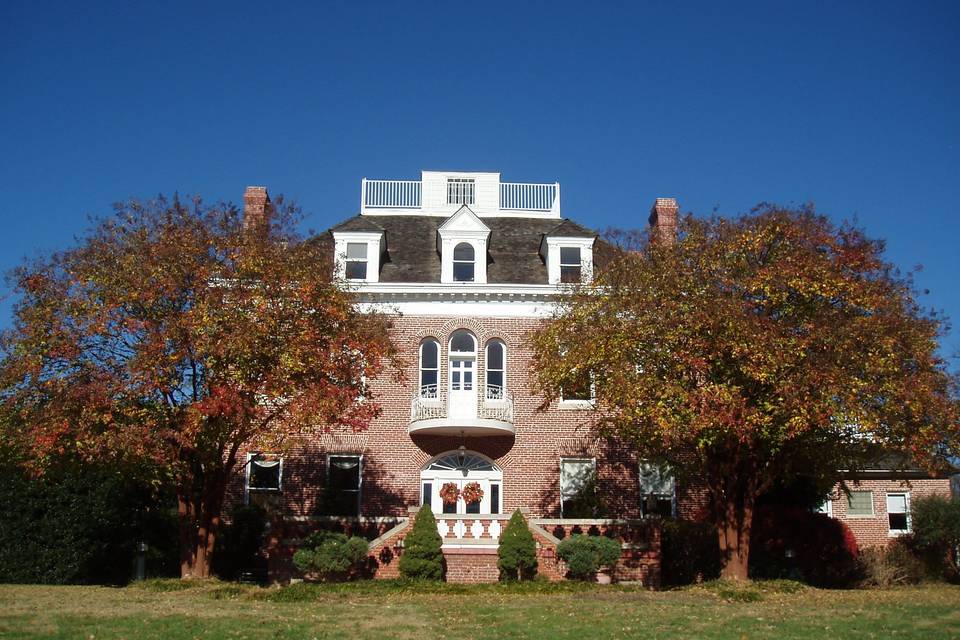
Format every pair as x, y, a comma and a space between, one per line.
852, 106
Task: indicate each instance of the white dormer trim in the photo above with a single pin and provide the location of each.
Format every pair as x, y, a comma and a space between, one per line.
554, 244
376, 247
463, 226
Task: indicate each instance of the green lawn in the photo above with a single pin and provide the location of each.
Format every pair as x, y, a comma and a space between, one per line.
169, 609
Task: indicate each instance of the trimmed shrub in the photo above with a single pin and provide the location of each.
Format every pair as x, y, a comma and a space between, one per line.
890, 566
793, 543
422, 556
689, 552
935, 523
518, 550
239, 543
585, 555
332, 556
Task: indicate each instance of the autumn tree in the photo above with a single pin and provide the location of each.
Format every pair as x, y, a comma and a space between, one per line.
176, 336
756, 349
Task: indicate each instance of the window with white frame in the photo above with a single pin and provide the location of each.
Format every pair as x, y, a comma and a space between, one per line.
898, 513
464, 262
461, 190
355, 267
342, 493
264, 472
571, 267
496, 370
578, 389
429, 368
860, 504
578, 487
658, 490
825, 507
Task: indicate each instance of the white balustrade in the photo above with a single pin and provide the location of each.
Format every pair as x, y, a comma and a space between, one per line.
470, 528
494, 403
525, 196
390, 194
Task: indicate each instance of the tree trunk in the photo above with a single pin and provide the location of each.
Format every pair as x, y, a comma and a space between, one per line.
199, 520
734, 506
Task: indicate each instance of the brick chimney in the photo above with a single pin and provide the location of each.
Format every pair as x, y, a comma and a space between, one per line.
663, 219
256, 208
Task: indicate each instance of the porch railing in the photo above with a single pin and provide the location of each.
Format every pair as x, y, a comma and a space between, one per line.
460, 528
408, 194
493, 403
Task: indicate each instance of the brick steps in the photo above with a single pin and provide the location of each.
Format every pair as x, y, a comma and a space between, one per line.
471, 565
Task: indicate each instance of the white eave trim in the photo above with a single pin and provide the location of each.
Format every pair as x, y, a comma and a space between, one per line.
454, 288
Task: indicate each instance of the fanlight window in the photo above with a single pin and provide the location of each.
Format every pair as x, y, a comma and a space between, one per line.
462, 341
463, 262
471, 462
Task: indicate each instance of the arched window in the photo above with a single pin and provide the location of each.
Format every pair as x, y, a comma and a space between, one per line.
463, 262
429, 368
463, 362
462, 341
496, 369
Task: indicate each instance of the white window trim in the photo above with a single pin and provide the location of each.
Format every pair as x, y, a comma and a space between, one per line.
896, 533
591, 460
664, 469
463, 226
486, 368
826, 507
462, 181
246, 476
579, 403
420, 368
360, 476
554, 244
375, 248
454, 262
873, 508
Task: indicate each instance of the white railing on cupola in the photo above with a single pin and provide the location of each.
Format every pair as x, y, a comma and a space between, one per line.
389, 194
525, 196
383, 197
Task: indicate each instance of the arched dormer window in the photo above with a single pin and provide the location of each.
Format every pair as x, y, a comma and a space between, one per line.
464, 262
496, 371
429, 368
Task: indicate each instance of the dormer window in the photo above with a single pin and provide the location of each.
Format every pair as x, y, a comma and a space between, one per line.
463, 262
356, 261
571, 267
461, 191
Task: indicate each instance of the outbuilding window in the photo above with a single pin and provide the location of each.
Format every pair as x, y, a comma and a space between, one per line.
860, 504
898, 513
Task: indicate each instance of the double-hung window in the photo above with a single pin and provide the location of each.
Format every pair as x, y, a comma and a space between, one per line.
898, 513
577, 487
264, 473
860, 504
356, 261
342, 493
657, 490
571, 267
464, 262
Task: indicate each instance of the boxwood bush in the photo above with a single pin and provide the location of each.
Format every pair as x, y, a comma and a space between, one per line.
332, 556
585, 555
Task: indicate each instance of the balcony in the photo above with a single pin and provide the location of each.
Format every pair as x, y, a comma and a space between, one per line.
489, 412
442, 193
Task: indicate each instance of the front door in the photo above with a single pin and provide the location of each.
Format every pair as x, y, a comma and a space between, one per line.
463, 388
450, 475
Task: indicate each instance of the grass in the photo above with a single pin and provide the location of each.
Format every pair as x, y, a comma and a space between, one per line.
211, 609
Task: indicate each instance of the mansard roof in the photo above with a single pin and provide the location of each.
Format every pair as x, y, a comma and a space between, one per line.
513, 250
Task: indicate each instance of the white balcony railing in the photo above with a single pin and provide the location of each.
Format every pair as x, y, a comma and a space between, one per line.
390, 194
525, 196
494, 403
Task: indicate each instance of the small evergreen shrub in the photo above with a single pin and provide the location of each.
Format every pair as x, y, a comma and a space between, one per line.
585, 555
890, 566
332, 556
935, 522
689, 552
422, 556
518, 550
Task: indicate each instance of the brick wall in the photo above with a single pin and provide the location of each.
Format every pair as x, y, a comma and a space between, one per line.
871, 531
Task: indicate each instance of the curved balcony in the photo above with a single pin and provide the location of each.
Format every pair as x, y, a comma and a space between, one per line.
487, 413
